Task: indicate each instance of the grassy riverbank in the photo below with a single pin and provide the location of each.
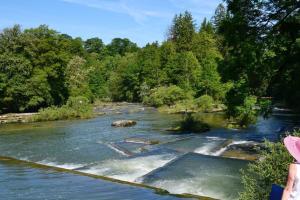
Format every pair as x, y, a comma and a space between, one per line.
75, 108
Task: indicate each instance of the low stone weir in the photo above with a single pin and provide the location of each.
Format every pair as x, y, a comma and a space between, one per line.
63, 170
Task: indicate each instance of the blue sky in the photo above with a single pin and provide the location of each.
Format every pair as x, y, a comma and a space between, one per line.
141, 21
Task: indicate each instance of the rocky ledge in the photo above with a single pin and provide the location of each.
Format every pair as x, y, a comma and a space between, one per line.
16, 118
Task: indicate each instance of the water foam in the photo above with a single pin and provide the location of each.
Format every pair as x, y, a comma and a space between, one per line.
215, 138
193, 185
208, 148
119, 150
61, 165
130, 169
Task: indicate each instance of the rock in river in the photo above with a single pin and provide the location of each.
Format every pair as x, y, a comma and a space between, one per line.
123, 123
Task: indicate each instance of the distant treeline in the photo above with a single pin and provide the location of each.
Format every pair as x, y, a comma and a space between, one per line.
248, 50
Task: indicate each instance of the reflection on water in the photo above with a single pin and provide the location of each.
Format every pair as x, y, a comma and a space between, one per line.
94, 146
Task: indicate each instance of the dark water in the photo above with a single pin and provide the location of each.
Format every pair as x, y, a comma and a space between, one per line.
180, 163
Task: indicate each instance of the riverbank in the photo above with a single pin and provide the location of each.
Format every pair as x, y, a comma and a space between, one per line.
98, 108
64, 113
16, 117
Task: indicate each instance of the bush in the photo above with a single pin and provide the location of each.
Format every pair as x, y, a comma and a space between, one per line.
186, 105
205, 103
165, 96
190, 123
271, 168
76, 107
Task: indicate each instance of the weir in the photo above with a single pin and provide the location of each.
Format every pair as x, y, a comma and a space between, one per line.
199, 174
160, 191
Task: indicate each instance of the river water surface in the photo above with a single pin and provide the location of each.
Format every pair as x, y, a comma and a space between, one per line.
179, 163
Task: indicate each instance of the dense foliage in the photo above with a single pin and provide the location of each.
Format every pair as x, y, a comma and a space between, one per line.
248, 51
272, 168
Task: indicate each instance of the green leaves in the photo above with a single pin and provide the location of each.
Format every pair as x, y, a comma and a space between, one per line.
182, 31
165, 96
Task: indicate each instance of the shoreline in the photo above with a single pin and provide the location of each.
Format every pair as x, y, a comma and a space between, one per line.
16, 117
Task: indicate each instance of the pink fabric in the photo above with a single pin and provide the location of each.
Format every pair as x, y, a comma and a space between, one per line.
293, 146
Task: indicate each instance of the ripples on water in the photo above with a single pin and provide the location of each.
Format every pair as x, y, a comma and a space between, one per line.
187, 163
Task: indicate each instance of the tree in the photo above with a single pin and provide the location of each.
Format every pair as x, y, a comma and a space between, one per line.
260, 38
125, 81
182, 31
121, 46
95, 46
186, 71
48, 51
205, 47
165, 96
206, 26
76, 74
149, 61
219, 17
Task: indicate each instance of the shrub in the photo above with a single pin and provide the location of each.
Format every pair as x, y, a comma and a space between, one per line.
190, 123
165, 96
205, 103
273, 166
76, 107
183, 106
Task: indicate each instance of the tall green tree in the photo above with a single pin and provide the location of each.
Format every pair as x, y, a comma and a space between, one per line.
125, 81
182, 31
149, 61
121, 46
94, 45
76, 76
186, 71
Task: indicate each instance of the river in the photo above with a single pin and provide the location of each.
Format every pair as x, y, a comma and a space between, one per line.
180, 162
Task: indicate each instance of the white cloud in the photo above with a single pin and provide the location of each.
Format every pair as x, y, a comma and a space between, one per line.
122, 7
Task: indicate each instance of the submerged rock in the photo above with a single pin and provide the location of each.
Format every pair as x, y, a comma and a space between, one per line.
249, 147
246, 150
142, 141
123, 123
240, 155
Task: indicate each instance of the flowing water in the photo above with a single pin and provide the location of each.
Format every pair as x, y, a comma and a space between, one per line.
180, 163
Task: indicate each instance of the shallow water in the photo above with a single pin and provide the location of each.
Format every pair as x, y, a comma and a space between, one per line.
176, 164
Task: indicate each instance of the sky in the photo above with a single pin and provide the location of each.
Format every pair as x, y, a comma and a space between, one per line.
141, 21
